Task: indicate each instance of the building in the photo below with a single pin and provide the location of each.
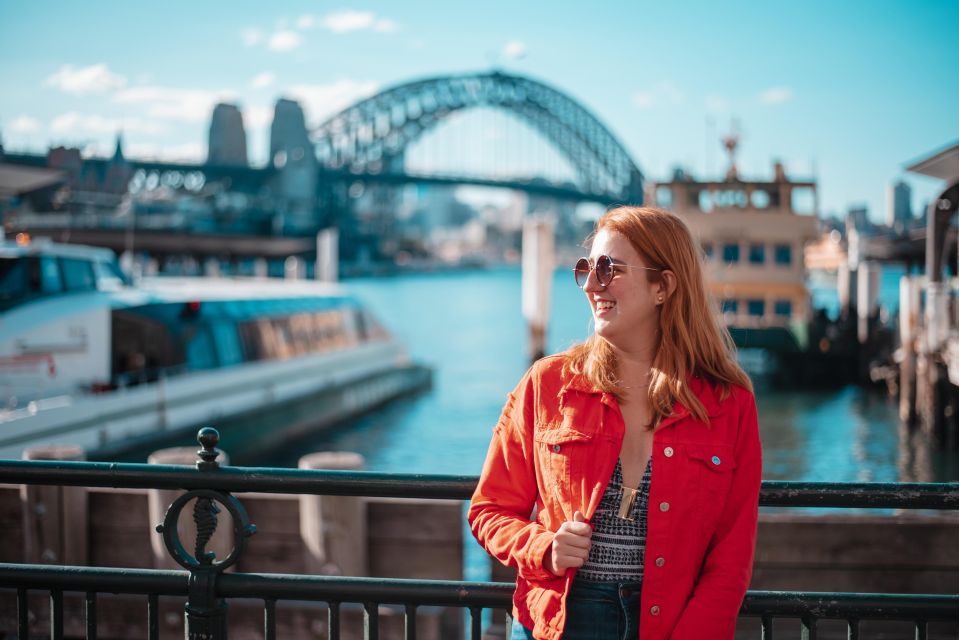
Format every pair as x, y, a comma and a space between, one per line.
898, 204
227, 143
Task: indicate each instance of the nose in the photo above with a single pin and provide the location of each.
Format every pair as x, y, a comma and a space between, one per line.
592, 282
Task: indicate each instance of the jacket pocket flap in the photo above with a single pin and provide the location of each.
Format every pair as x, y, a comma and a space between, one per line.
561, 435
716, 457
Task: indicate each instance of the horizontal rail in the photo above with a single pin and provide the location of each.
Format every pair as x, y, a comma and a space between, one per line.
866, 606
871, 495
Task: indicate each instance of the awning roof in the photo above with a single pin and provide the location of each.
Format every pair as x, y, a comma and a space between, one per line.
943, 164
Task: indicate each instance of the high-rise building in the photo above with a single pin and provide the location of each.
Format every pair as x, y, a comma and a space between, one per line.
291, 153
289, 140
227, 137
898, 203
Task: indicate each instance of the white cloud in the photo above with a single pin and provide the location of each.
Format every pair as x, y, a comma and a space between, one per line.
169, 103
662, 94
285, 41
514, 50
251, 37
259, 116
349, 20
24, 125
321, 101
776, 95
262, 80
306, 21
74, 123
96, 78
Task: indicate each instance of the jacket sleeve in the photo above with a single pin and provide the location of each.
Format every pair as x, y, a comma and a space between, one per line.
727, 568
499, 512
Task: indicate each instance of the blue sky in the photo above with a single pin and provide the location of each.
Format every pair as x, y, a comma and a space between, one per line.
848, 91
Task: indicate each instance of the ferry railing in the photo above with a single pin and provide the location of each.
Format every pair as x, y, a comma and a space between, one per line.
206, 588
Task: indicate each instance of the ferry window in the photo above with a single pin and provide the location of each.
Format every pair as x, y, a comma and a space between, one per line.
783, 308
199, 350
227, 343
664, 197
756, 307
731, 252
109, 276
77, 274
757, 254
50, 275
760, 199
784, 254
729, 306
15, 280
708, 250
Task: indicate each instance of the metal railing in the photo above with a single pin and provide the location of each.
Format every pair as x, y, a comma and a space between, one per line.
207, 588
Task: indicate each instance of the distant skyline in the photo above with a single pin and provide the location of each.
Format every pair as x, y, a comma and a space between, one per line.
848, 93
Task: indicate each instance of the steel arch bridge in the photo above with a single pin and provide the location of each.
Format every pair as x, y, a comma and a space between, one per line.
365, 137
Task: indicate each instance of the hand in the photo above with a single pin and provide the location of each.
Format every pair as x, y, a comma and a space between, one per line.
570, 545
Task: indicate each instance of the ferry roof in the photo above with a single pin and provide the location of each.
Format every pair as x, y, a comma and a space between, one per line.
36, 246
943, 164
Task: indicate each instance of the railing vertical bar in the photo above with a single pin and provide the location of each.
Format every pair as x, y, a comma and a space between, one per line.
56, 614
371, 621
921, 630
508, 623
853, 629
90, 610
153, 616
808, 628
410, 622
476, 623
269, 619
23, 628
767, 627
333, 622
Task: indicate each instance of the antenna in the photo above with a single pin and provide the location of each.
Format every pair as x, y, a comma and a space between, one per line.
730, 142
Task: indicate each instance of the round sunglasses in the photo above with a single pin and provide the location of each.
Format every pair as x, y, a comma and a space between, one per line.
605, 269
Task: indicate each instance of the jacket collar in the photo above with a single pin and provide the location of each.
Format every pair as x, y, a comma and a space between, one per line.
707, 393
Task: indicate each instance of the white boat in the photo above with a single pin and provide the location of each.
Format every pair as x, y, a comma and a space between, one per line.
90, 359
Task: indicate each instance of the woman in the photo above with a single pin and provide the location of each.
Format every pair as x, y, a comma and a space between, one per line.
651, 410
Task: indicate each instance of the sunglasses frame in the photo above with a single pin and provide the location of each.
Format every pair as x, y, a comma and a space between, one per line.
593, 267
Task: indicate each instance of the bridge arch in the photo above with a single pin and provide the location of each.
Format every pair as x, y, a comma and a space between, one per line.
365, 136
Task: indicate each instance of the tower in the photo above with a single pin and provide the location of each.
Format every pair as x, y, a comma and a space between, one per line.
227, 145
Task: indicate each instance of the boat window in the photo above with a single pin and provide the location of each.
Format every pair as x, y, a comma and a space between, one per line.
50, 279
77, 274
199, 350
142, 347
757, 254
756, 307
227, 343
731, 252
109, 277
784, 308
15, 282
784, 254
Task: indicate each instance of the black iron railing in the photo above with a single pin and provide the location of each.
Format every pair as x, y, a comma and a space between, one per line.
207, 589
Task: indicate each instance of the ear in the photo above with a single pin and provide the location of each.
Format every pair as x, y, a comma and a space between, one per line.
667, 284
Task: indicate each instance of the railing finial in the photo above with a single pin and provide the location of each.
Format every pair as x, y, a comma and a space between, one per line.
208, 437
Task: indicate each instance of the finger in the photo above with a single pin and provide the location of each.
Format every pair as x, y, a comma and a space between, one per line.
578, 516
578, 542
579, 529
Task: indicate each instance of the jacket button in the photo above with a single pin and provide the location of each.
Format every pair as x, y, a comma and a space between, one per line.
668, 452
654, 610
716, 460
660, 561
556, 448
664, 506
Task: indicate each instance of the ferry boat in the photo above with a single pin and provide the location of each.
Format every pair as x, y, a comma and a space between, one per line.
753, 237
89, 358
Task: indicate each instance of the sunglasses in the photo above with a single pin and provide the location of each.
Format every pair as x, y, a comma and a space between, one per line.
605, 269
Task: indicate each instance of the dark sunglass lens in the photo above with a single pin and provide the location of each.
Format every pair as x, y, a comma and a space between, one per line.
581, 272
604, 270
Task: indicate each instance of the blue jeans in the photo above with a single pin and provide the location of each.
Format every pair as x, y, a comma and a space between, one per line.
597, 611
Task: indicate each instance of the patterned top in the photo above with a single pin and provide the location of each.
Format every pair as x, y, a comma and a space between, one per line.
618, 545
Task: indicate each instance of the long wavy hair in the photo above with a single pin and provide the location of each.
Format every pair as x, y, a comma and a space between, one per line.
692, 339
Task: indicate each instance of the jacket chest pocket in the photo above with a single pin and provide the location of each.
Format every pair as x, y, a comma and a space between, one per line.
711, 474
560, 453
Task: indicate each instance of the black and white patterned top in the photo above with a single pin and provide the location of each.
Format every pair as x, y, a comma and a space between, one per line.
618, 545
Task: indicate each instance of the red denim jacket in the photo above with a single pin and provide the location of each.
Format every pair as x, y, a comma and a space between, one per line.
554, 448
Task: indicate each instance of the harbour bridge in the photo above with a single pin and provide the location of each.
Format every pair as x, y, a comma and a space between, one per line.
313, 178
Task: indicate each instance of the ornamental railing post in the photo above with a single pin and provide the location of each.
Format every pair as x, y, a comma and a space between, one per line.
205, 613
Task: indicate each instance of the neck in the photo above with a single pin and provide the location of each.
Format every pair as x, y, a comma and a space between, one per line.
632, 367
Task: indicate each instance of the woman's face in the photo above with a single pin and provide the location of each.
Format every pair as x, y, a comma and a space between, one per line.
625, 311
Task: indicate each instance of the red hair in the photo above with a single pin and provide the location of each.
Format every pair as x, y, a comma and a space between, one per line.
693, 341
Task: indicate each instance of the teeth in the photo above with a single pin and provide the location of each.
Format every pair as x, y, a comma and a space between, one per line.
602, 305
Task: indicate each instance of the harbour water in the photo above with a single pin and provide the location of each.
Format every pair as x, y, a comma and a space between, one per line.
469, 326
